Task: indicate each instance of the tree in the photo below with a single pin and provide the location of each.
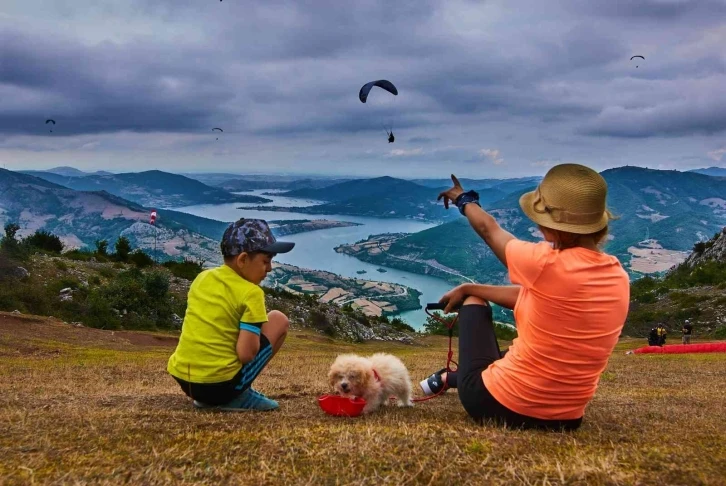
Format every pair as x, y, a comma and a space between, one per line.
43, 240
102, 247
123, 248
11, 230
433, 326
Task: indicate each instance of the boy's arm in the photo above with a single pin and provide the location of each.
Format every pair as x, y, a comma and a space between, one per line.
248, 342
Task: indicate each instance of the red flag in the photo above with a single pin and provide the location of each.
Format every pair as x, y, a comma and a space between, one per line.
153, 217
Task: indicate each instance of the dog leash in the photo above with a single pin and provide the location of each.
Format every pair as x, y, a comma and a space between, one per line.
450, 355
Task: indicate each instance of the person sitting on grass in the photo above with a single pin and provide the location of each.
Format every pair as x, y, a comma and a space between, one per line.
570, 302
228, 336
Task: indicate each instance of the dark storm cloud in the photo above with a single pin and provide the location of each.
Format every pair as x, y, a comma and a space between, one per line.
288, 68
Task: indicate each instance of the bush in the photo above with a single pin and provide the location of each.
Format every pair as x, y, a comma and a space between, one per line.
80, 255
400, 325
433, 326
141, 259
187, 269
106, 272
61, 265
320, 322
43, 240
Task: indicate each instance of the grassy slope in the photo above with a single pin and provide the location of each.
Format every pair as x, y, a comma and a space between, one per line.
87, 406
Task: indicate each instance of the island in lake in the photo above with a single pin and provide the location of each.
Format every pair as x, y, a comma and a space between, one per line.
370, 297
284, 227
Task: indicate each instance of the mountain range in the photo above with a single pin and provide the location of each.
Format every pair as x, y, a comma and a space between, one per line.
380, 197
660, 214
711, 171
152, 188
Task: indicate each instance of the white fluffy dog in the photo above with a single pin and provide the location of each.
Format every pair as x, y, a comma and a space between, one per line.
374, 379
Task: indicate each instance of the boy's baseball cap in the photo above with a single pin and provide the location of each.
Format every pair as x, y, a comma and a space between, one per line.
248, 235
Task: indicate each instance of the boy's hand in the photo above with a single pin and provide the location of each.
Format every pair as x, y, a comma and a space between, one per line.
451, 194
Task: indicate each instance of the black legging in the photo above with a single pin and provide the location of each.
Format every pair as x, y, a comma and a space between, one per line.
478, 348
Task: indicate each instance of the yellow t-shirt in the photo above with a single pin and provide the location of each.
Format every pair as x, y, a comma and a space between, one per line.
220, 302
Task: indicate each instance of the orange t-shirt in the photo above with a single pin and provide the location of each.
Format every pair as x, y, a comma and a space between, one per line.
569, 314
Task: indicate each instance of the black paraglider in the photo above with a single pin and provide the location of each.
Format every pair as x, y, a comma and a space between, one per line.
385, 85
213, 129
50, 121
381, 83
639, 57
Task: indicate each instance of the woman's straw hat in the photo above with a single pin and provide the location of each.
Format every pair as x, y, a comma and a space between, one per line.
571, 198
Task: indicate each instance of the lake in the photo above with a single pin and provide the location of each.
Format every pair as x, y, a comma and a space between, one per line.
315, 249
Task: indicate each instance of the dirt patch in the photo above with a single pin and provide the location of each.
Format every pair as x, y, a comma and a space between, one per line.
317, 339
22, 330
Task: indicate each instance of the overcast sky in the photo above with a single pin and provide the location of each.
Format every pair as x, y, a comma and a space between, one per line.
486, 89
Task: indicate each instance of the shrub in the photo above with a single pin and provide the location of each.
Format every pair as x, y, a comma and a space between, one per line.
320, 321
187, 269
80, 255
141, 259
400, 325
61, 265
106, 272
43, 240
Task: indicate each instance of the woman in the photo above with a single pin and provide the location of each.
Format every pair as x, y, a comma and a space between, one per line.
570, 302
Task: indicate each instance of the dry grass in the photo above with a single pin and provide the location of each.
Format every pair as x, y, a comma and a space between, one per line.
84, 406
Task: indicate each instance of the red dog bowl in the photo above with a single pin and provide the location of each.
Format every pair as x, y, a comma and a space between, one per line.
341, 406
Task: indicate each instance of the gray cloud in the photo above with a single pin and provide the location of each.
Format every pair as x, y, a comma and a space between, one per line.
536, 81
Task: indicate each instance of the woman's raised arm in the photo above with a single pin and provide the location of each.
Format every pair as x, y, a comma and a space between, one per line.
483, 223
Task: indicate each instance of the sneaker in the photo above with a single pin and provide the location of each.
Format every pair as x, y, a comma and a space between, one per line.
433, 384
250, 399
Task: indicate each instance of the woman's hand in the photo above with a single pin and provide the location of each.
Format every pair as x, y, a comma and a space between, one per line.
451, 194
453, 298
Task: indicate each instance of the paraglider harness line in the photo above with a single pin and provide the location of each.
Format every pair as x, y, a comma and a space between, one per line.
449, 356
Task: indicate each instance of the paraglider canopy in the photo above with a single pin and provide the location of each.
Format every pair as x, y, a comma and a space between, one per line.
50, 121
639, 57
381, 83
213, 129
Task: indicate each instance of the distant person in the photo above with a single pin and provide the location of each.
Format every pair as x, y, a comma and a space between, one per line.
662, 334
687, 331
653, 337
570, 301
228, 336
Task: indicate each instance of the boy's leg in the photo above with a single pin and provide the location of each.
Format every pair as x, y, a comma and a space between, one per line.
273, 335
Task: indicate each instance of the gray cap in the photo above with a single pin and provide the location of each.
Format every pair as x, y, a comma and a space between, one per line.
248, 235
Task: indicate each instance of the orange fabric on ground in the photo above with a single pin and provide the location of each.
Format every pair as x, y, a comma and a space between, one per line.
569, 314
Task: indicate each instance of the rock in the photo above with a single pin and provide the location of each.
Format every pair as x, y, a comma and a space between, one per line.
21, 272
66, 290
177, 320
16, 311
77, 324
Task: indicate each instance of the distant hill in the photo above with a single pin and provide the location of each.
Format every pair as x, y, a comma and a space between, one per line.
80, 218
73, 172
694, 290
661, 214
234, 185
152, 188
503, 186
381, 197
711, 171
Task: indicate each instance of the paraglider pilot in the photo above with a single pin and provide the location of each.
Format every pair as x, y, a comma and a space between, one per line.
391, 138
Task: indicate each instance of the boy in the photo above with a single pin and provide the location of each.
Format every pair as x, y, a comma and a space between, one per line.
228, 337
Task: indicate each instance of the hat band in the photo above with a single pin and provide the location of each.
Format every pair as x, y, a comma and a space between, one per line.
560, 215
